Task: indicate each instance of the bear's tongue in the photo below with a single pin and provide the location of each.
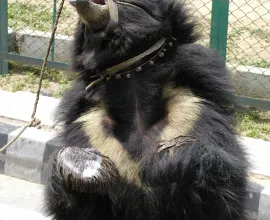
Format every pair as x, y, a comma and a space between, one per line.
99, 2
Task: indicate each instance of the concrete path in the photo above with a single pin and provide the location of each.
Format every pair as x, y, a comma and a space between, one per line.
19, 106
11, 213
20, 199
259, 154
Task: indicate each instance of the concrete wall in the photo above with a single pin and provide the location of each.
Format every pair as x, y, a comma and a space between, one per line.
251, 81
35, 43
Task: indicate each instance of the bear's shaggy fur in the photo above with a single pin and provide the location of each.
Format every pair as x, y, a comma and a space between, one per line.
158, 144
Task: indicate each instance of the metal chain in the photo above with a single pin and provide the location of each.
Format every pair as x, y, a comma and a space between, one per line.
34, 121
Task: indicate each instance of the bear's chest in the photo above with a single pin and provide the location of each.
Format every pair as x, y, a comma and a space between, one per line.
183, 113
99, 129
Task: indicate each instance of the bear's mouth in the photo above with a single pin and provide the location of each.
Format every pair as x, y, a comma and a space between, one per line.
97, 15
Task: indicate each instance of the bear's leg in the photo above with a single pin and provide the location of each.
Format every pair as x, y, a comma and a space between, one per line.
213, 179
78, 185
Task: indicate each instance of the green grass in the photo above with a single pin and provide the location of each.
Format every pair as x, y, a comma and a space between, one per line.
34, 71
26, 78
260, 33
35, 17
254, 123
258, 63
26, 82
236, 32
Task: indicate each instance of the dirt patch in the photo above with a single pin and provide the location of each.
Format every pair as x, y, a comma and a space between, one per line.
249, 28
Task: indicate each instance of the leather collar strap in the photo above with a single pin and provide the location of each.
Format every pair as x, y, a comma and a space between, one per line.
117, 70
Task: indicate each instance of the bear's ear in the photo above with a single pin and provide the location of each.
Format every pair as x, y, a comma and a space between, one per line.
182, 22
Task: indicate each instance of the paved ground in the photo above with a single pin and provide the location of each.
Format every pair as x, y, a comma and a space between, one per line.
259, 153
11, 213
19, 106
20, 199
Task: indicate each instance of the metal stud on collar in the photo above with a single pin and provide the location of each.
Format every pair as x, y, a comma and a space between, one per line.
161, 54
139, 69
116, 71
118, 76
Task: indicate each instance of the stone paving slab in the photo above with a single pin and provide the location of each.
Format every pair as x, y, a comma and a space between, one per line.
5, 129
10, 213
259, 155
21, 199
20, 193
19, 106
264, 206
24, 158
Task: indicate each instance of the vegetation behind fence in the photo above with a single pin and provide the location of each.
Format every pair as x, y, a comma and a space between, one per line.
238, 29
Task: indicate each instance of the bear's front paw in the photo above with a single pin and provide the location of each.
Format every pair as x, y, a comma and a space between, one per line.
86, 170
165, 163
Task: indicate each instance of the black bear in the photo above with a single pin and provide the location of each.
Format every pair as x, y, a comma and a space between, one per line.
147, 126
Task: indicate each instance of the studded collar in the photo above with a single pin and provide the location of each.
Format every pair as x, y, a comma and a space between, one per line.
135, 64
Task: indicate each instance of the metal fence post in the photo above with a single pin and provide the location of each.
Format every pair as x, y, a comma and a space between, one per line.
3, 36
219, 26
53, 21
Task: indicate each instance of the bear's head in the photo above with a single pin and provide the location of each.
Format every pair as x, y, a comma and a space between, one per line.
112, 31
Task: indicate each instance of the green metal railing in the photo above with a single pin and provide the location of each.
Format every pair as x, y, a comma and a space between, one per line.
218, 42
53, 21
219, 26
5, 56
3, 36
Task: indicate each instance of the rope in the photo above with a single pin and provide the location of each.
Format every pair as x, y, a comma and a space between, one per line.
34, 121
